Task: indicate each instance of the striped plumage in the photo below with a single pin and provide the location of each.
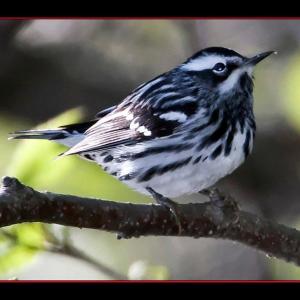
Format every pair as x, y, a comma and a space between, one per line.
178, 133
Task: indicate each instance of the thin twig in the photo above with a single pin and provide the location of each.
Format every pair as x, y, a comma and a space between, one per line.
71, 251
56, 246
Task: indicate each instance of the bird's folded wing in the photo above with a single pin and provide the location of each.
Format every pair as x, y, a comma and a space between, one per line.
124, 126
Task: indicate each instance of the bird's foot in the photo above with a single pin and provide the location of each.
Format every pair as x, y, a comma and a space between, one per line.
215, 196
168, 203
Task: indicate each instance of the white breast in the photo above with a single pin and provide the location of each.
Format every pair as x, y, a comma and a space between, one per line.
188, 179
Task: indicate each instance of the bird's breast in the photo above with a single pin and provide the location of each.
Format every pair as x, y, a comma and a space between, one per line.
178, 167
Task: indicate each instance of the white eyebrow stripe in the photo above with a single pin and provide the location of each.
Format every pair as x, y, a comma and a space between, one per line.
203, 63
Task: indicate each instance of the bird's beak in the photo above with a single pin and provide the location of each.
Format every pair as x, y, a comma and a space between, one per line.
252, 61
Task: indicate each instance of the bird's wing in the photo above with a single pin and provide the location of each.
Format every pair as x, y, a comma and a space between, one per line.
105, 111
84, 126
140, 117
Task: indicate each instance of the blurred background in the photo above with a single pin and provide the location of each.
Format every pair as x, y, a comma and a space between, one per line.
58, 71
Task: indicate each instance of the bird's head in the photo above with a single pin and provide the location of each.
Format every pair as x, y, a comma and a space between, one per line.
223, 70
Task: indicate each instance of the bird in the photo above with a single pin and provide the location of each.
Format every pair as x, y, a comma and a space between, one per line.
177, 134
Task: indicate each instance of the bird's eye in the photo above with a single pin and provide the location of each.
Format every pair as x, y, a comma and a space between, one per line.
219, 67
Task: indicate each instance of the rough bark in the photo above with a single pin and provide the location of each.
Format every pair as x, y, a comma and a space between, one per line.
220, 218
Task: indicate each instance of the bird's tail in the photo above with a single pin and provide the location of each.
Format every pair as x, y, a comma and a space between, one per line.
68, 135
45, 134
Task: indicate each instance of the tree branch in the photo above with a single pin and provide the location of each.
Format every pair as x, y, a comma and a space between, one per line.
218, 219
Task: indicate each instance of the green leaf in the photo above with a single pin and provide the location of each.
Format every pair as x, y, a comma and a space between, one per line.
14, 258
30, 234
23, 242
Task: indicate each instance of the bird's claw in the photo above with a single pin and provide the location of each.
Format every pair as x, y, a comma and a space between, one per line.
168, 203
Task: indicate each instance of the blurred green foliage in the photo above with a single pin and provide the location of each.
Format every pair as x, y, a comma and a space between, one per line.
35, 164
284, 270
142, 270
290, 91
8, 124
14, 252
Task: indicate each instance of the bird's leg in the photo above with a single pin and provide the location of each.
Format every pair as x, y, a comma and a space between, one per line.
214, 195
168, 203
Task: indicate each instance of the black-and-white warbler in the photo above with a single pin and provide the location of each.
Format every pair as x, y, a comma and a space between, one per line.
177, 134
